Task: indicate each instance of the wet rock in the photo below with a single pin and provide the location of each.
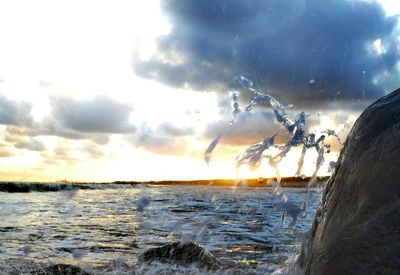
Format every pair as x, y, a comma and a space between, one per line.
357, 226
178, 253
63, 269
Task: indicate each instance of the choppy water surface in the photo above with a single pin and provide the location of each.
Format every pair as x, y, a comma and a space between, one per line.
98, 228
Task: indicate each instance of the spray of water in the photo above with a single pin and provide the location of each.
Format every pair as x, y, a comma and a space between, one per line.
298, 137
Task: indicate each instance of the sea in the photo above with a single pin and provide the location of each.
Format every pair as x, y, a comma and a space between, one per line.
104, 229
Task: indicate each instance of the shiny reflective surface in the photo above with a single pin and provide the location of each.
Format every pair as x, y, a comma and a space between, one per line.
97, 227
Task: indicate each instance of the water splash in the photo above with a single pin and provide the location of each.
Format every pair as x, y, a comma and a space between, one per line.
78, 253
295, 128
330, 132
332, 166
211, 147
26, 250
298, 137
142, 203
253, 154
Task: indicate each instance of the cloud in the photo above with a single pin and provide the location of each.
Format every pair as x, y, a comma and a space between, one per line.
93, 151
65, 153
32, 144
156, 142
305, 52
93, 119
168, 128
245, 130
17, 113
62, 154
96, 115
17, 134
5, 152
252, 127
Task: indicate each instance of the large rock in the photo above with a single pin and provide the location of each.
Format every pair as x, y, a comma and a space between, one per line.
181, 253
357, 226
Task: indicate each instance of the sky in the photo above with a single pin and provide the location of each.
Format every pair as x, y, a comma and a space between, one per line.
136, 90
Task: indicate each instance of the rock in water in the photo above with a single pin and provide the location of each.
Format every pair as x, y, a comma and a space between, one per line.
357, 226
186, 253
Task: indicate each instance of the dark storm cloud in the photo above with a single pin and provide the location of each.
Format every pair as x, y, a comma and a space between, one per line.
17, 113
96, 115
301, 51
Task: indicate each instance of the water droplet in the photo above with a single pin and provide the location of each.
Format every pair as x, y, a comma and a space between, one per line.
142, 203
26, 250
78, 253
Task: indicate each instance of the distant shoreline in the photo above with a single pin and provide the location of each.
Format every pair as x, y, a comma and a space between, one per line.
25, 187
288, 182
